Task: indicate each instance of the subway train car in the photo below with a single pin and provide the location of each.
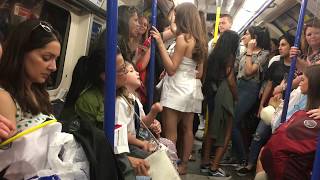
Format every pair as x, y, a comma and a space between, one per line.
82, 22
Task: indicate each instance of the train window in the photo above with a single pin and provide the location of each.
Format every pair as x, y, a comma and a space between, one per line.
15, 11
96, 29
60, 19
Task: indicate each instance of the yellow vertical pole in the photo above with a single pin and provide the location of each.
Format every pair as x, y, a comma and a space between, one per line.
216, 26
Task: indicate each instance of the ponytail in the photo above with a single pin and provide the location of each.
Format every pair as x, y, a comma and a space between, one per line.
261, 34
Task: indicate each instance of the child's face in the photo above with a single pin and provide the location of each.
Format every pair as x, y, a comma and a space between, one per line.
304, 84
133, 78
121, 71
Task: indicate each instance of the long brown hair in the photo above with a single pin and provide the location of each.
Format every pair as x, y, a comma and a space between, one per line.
188, 22
27, 36
313, 73
124, 14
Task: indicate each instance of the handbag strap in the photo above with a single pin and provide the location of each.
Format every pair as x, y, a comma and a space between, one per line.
136, 117
148, 130
143, 124
27, 131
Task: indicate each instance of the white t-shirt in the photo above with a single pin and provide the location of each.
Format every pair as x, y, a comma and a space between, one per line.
125, 113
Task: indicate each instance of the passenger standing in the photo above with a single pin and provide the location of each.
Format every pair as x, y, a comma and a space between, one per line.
275, 74
310, 53
221, 80
142, 57
274, 47
197, 121
257, 42
144, 27
180, 91
128, 31
29, 59
224, 25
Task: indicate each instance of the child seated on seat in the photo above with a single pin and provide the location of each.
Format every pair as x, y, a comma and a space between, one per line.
129, 111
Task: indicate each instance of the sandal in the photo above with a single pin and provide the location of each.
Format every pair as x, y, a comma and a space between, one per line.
183, 168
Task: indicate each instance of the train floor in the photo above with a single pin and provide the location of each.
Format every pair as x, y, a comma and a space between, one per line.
194, 167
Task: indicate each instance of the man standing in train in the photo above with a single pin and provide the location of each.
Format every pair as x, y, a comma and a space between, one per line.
224, 25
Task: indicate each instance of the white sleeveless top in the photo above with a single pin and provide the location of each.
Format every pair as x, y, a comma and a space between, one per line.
182, 91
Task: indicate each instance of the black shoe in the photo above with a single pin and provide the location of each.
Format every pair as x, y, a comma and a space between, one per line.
204, 168
244, 171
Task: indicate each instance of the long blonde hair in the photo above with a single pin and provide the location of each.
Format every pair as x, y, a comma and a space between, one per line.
188, 22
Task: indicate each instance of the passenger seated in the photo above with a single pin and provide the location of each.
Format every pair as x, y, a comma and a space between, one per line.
28, 60
294, 158
129, 111
7, 128
89, 106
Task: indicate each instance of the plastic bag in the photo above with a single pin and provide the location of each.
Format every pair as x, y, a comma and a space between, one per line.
46, 152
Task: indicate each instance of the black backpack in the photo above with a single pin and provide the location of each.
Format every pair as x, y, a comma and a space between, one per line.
99, 152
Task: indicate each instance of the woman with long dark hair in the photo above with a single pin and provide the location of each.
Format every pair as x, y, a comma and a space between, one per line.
28, 60
221, 93
128, 31
251, 66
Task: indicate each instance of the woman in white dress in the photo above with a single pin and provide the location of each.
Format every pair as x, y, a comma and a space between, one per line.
181, 94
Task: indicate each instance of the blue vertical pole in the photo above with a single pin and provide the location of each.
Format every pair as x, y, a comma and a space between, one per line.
110, 69
316, 164
151, 65
294, 59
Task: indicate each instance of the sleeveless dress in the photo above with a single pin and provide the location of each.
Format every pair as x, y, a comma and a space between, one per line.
25, 120
182, 91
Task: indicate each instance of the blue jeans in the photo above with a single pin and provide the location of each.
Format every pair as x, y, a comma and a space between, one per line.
248, 92
260, 138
